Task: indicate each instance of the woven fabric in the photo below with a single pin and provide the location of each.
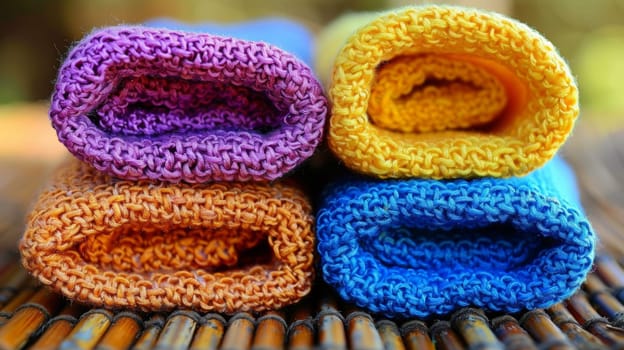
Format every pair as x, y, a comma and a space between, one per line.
421, 247
445, 92
222, 247
285, 34
148, 103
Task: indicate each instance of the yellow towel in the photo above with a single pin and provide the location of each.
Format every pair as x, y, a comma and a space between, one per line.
444, 92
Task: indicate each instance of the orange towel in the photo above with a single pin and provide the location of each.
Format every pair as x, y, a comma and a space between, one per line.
224, 247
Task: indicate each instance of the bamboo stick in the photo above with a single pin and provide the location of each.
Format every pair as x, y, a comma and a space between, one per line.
591, 320
604, 301
512, 334
475, 329
240, 332
541, 327
416, 336
22, 296
611, 273
301, 329
445, 337
178, 331
270, 332
390, 335
572, 329
151, 331
331, 327
88, 331
362, 332
122, 333
28, 318
210, 332
58, 328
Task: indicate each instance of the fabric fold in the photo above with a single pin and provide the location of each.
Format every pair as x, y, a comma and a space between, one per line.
223, 247
418, 247
444, 92
151, 103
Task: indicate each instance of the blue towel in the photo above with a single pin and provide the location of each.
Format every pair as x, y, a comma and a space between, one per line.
285, 34
417, 248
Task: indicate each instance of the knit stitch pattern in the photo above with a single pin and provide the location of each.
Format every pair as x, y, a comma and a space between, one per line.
421, 247
283, 33
223, 247
447, 92
149, 103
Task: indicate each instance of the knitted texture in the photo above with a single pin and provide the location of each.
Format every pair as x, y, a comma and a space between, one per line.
446, 92
223, 247
287, 35
146, 103
419, 247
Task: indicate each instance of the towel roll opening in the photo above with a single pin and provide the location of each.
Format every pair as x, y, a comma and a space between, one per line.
154, 105
495, 248
153, 250
429, 92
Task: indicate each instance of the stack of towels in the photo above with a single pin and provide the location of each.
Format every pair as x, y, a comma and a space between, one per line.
177, 202
454, 116
449, 119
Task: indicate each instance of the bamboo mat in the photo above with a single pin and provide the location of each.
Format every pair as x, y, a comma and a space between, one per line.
34, 318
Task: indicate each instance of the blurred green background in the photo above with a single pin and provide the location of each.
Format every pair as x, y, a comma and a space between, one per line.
35, 34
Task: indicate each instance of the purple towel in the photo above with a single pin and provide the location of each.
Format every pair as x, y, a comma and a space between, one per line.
145, 103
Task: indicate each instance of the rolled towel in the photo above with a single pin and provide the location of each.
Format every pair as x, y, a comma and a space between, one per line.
223, 247
419, 247
149, 103
444, 92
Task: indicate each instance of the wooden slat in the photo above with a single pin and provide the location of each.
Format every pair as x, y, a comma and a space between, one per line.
240, 332
445, 337
544, 331
362, 332
509, 331
578, 336
416, 336
88, 331
210, 332
178, 331
122, 333
270, 332
301, 328
475, 329
612, 274
58, 328
604, 302
151, 331
390, 335
590, 319
20, 298
331, 326
584, 321
28, 318
609, 271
